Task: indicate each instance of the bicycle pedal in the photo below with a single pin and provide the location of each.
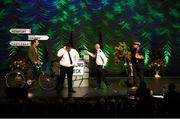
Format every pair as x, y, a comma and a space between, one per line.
29, 82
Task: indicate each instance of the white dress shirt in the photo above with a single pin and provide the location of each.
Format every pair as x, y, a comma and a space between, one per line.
65, 61
101, 59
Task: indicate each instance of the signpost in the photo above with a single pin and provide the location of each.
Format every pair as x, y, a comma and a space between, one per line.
39, 37
20, 31
20, 43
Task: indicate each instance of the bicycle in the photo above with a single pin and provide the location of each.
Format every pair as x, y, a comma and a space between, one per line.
17, 76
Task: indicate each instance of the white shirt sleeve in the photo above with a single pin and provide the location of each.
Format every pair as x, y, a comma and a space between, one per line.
61, 52
103, 56
91, 54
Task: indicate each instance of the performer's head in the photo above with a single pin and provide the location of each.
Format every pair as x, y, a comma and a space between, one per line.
35, 43
68, 46
136, 45
97, 46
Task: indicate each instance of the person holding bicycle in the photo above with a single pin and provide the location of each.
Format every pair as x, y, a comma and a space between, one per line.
33, 56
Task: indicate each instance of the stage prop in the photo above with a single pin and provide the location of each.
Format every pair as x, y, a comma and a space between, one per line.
81, 73
20, 43
20, 31
39, 37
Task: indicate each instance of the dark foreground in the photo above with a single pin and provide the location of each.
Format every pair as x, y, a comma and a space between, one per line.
117, 101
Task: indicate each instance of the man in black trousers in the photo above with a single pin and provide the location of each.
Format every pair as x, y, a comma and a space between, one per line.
137, 62
68, 59
101, 61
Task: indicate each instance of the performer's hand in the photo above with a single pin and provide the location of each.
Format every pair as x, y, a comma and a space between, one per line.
35, 62
39, 62
103, 66
89, 53
75, 64
138, 56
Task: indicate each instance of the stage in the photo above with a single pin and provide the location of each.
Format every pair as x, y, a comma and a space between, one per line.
118, 87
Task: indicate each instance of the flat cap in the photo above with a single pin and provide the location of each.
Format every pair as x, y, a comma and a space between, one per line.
137, 43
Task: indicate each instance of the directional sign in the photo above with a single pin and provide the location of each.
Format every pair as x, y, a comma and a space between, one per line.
39, 37
20, 43
20, 31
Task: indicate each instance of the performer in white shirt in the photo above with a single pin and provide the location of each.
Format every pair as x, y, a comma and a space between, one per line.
68, 59
101, 61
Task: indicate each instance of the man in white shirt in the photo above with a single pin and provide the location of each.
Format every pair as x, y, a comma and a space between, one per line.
68, 59
101, 61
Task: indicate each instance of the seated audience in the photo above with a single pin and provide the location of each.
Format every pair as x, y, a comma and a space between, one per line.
144, 100
171, 100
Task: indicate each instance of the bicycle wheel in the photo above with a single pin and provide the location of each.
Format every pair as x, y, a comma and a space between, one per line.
15, 79
46, 81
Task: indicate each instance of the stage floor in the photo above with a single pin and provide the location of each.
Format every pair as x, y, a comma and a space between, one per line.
118, 87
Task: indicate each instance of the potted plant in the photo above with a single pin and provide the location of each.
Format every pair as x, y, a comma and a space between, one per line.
123, 55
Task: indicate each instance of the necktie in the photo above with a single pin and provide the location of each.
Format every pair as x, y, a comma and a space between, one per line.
70, 58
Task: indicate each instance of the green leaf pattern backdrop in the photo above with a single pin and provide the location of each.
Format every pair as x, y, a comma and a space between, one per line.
155, 23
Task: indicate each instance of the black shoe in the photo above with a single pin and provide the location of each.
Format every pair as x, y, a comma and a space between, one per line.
72, 91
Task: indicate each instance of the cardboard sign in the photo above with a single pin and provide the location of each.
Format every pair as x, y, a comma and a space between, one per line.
20, 43
20, 31
39, 37
79, 69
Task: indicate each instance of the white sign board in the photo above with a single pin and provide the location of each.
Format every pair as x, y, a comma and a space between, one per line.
20, 31
79, 69
20, 43
39, 37
81, 73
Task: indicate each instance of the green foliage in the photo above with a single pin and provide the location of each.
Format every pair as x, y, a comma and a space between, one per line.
109, 16
146, 36
2, 14
139, 18
8, 1
174, 12
131, 3
36, 27
117, 8
40, 53
105, 2
154, 13
124, 25
86, 16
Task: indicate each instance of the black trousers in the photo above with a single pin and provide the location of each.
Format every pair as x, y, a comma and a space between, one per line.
138, 71
100, 75
63, 72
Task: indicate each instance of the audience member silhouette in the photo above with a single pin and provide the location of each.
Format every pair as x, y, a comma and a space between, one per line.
144, 99
172, 101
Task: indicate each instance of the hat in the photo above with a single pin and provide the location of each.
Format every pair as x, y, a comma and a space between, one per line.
137, 43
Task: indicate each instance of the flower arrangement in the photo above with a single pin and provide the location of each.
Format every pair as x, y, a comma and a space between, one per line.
122, 53
157, 65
